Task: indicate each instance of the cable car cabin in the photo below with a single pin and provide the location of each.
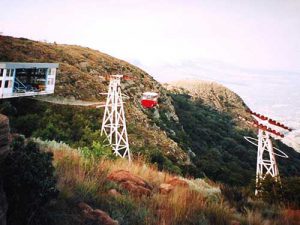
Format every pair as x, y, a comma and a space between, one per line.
26, 79
149, 100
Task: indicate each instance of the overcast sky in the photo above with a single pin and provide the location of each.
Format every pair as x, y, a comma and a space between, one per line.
251, 46
261, 34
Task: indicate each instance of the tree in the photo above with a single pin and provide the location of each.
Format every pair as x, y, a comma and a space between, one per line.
29, 182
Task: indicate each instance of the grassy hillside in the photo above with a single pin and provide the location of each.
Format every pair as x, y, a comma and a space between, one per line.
184, 135
85, 179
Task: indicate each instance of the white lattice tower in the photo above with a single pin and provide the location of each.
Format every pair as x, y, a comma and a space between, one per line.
114, 121
266, 162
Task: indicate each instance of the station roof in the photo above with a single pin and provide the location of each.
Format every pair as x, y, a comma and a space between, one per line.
23, 65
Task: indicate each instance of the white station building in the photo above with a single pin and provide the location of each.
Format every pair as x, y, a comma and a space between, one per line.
26, 79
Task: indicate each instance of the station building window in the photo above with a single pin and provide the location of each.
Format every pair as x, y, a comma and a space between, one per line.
7, 84
10, 72
1, 72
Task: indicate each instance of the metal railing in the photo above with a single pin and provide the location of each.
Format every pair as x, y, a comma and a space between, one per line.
19, 86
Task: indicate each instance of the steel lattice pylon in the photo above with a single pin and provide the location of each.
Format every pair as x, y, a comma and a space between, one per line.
266, 162
114, 121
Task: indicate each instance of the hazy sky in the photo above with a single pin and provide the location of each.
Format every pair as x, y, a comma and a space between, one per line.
261, 34
251, 46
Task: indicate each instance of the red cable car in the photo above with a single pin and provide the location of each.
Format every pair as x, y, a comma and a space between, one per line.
149, 100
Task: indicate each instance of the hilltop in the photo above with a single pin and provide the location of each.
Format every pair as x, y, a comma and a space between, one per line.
213, 95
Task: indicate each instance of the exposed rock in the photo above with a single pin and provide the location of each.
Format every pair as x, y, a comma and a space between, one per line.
83, 65
191, 153
177, 182
114, 192
96, 214
165, 188
135, 189
156, 114
86, 210
85, 207
132, 183
104, 218
235, 222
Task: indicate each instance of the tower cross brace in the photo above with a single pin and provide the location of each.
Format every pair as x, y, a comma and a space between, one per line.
266, 162
114, 121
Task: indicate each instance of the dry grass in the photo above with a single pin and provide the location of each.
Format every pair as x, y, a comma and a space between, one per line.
180, 206
201, 203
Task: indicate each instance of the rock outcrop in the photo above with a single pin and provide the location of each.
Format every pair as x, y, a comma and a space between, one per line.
97, 215
132, 183
4, 148
167, 187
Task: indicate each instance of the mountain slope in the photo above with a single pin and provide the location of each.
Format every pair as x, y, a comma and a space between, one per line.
209, 113
195, 135
79, 77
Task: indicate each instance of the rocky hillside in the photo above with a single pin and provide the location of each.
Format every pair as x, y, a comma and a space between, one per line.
212, 94
81, 76
192, 132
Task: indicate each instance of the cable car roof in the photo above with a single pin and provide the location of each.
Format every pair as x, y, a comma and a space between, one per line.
150, 93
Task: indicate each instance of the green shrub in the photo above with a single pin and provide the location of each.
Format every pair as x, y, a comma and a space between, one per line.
29, 182
270, 190
97, 150
163, 163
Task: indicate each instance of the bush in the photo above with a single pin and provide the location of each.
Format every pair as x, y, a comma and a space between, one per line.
270, 190
97, 151
29, 182
163, 163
